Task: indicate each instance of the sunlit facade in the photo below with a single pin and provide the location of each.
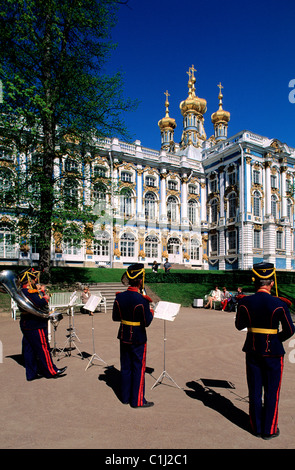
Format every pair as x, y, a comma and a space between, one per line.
203, 203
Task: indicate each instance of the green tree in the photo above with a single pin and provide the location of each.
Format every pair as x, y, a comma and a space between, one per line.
55, 89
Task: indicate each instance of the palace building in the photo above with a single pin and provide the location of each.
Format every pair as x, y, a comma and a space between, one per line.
204, 203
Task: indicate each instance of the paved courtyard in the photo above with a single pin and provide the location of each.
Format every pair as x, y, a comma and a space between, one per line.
82, 410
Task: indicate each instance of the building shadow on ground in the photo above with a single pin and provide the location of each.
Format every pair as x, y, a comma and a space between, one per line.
205, 393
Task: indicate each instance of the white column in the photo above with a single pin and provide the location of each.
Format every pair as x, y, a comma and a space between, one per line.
267, 189
184, 217
114, 181
163, 213
203, 213
222, 185
283, 192
247, 199
139, 210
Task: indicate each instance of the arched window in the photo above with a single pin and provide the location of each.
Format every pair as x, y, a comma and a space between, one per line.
172, 185
256, 177
289, 209
7, 242
173, 246
71, 193
99, 172
101, 244
71, 166
151, 246
126, 177
127, 245
192, 189
256, 204
172, 209
214, 206
100, 194
125, 202
150, 206
214, 244
232, 205
72, 242
274, 206
232, 240
195, 249
6, 187
192, 211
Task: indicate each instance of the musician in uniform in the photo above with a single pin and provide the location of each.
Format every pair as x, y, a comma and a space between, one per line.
132, 309
35, 345
262, 314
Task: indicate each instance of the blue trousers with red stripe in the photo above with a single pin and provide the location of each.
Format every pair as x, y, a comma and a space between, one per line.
264, 377
133, 362
36, 353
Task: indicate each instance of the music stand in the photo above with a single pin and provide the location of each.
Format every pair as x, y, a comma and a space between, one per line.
72, 332
91, 305
166, 311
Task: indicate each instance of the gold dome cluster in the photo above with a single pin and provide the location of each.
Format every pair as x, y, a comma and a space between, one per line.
193, 103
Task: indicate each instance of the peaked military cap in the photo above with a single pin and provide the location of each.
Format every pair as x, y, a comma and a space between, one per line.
134, 271
26, 276
264, 270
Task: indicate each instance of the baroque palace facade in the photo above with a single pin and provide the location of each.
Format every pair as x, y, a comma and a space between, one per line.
203, 203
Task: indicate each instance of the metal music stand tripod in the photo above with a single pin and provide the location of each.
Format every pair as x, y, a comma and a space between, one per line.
171, 318
70, 343
91, 305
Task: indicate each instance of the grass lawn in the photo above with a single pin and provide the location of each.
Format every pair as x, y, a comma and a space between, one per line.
182, 293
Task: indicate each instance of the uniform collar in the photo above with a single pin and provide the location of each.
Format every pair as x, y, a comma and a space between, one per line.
264, 290
133, 289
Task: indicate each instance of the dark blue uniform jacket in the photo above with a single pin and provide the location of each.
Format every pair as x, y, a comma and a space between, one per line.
262, 310
28, 321
132, 307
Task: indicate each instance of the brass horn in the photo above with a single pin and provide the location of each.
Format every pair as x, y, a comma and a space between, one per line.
8, 281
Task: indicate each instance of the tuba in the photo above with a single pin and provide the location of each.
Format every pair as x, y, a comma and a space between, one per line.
8, 284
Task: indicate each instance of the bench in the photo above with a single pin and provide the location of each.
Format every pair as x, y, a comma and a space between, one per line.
61, 300
217, 303
71, 299
57, 300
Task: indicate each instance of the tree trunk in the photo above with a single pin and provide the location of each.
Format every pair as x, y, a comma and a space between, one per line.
47, 202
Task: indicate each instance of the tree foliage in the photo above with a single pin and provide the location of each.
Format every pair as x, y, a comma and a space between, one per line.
55, 91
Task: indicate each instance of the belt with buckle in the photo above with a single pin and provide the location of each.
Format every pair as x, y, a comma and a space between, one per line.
130, 323
264, 331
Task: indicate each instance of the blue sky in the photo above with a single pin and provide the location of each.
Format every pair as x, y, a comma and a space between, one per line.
248, 46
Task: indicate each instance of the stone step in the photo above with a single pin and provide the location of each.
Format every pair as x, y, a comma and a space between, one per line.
107, 290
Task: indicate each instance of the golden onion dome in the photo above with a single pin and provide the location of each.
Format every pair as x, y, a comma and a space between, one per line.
221, 115
167, 122
193, 103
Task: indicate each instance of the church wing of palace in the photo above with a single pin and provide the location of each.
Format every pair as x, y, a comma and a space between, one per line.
203, 203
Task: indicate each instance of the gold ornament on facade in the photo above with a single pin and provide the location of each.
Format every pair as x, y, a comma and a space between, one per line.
117, 252
141, 254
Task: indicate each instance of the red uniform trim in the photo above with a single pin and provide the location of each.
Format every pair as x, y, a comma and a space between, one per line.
274, 424
46, 352
141, 385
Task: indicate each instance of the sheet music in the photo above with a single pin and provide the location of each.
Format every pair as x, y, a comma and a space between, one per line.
92, 303
166, 310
